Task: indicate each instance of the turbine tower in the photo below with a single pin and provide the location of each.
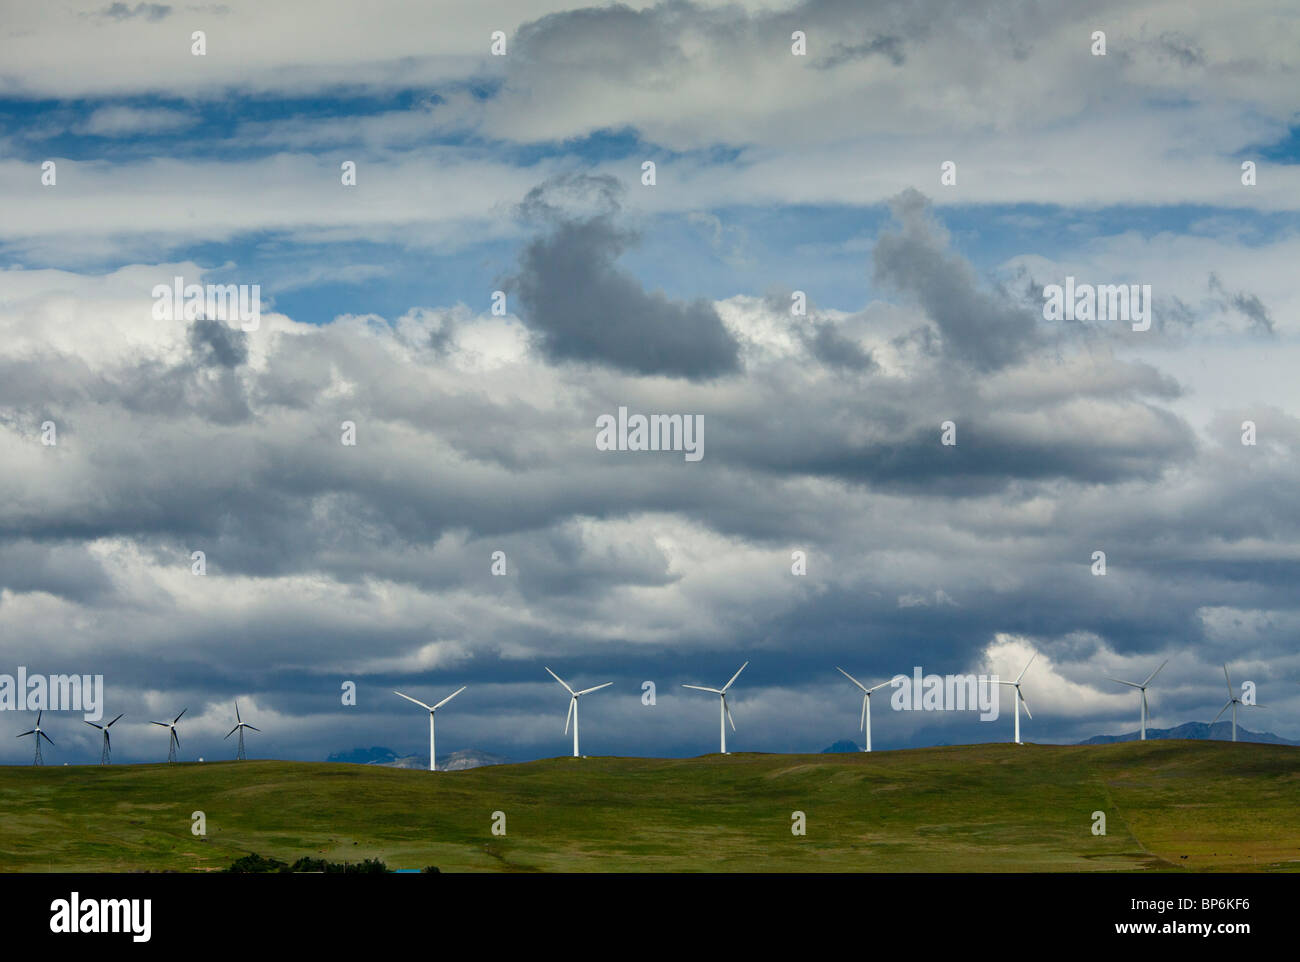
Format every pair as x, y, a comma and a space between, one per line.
1233, 702
39, 735
573, 705
173, 740
1020, 698
1143, 688
433, 750
865, 724
240, 725
104, 755
724, 713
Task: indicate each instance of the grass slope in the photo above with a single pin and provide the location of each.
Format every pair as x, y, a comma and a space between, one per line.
967, 808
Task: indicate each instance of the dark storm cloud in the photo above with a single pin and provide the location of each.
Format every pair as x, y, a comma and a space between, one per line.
977, 327
1179, 48
583, 308
890, 47
153, 12
835, 350
1249, 305
216, 343
619, 42
629, 43
65, 570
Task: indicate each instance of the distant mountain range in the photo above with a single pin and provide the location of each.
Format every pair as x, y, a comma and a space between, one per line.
844, 745
1219, 731
471, 758
455, 762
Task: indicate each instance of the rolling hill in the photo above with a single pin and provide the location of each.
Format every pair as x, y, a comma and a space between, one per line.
1170, 805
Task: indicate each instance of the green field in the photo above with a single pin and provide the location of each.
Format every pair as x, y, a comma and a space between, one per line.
1170, 805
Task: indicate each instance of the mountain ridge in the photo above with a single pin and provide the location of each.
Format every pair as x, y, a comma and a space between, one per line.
1196, 731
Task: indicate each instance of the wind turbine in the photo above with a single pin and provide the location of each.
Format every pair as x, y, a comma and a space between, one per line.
1143, 688
173, 742
104, 755
1233, 702
573, 705
433, 751
1020, 698
724, 713
39, 735
239, 727
865, 724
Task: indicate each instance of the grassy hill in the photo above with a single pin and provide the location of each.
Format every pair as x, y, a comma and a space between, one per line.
967, 808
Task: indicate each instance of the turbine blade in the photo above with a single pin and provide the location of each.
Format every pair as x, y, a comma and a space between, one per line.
711, 691
38, 718
1025, 703
93, 725
735, 676
877, 687
862, 725
569, 714
559, 679
1026, 668
110, 724
1123, 682
231, 732
45, 736
586, 691
1154, 673
176, 738
415, 700
107, 741
163, 724
178, 717
252, 729
1231, 693
1221, 711
850, 677
32, 732
728, 711
449, 697
237, 718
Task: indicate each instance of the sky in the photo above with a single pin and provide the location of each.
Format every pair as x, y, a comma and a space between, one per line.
517, 180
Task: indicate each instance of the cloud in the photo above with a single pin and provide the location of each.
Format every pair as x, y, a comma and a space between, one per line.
583, 308
976, 327
122, 121
216, 343
153, 12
